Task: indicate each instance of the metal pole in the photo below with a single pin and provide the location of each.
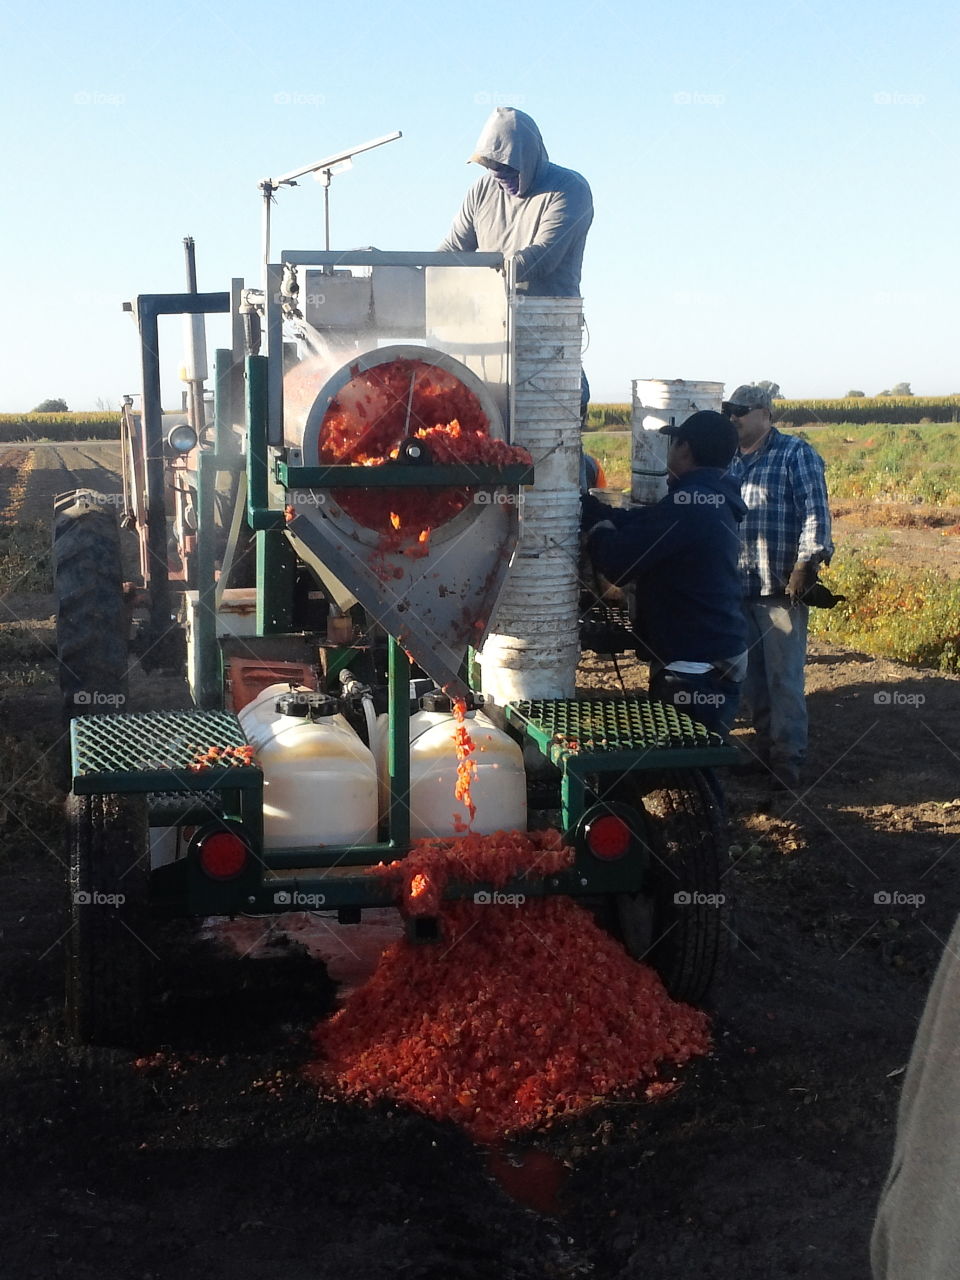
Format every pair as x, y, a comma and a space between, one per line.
153, 443
189, 250
267, 188
398, 740
195, 414
209, 691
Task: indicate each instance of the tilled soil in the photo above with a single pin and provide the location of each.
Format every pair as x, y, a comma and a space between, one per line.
208, 1154
52, 469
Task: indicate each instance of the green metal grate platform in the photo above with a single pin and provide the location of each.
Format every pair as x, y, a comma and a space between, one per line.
157, 751
616, 733
607, 629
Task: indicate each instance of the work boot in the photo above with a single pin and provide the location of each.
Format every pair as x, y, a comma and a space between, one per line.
784, 777
753, 762
750, 767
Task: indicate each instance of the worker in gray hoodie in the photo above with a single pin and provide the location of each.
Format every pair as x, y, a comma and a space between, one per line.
526, 208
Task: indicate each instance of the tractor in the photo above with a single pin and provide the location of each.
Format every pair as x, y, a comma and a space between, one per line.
311, 557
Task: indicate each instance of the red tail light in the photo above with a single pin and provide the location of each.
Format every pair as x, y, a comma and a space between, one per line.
608, 837
223, 855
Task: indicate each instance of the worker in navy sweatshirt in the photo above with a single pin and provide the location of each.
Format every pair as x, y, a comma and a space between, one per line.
682, 555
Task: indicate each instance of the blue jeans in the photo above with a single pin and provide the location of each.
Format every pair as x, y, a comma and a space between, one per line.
773, 688
709, 698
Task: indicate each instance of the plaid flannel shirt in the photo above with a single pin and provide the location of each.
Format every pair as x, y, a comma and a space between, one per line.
788, 516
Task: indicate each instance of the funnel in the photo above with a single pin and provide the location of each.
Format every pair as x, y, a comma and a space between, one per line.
423, 542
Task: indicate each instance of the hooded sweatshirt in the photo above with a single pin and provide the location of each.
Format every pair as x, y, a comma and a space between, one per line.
543, 227
683, 554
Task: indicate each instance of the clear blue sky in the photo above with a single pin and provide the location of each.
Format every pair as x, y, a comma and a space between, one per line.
775, 183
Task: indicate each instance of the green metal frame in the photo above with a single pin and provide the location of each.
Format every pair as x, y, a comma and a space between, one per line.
403, 475
586, 737
153, 752
209, 692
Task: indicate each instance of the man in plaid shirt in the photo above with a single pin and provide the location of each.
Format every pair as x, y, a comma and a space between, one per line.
785, 537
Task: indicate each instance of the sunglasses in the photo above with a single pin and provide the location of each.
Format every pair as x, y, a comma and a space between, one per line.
738, 410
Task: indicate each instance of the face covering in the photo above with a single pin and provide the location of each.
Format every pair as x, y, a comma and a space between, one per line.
509, 180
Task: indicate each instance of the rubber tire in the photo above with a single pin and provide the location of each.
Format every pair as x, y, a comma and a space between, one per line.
93, 623
688, 944
108, 947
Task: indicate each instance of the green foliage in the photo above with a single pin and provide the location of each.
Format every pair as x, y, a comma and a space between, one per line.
31, 805
21, 644
856, 395
52, 406
864, 409
25, 558
910, 616
15, 427
888, 462
613, 452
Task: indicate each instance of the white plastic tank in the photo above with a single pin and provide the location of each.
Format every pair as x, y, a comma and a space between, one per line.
662, 403
319, 780
498, 788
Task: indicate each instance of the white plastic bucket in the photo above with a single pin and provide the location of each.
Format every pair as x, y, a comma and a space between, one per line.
533, 648
662, 403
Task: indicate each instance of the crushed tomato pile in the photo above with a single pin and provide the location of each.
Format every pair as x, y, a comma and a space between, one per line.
527, 1010
375, 412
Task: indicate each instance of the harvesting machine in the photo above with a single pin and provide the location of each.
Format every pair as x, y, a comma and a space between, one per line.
316, 533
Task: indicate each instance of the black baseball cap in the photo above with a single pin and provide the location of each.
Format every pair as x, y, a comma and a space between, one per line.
712, 437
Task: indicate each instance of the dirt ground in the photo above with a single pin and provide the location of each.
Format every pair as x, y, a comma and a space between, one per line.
911, 537
209, 1155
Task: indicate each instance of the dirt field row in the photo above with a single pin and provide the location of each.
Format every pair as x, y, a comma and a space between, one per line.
209, 1154
52, 469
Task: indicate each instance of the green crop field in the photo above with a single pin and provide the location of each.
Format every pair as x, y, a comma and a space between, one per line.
17, 427
890, 476
895, 476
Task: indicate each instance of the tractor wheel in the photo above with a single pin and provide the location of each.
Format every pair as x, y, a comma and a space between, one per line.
107, 946
679, 922
92, 620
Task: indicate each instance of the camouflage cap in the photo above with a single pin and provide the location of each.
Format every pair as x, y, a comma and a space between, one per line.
750, 397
